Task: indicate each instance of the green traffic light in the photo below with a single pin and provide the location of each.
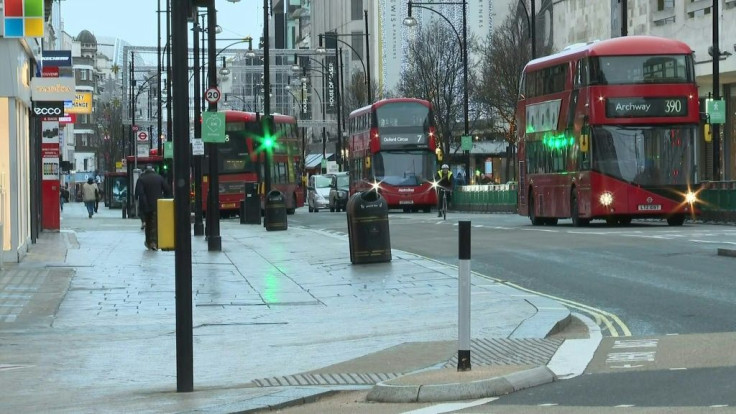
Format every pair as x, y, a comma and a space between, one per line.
268, 142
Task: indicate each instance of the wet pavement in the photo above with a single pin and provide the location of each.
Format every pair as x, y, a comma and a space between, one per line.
87, 320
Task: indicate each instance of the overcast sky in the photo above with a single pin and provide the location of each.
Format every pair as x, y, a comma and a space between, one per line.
135, 20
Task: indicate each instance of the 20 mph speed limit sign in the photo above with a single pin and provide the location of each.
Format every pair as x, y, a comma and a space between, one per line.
212, 95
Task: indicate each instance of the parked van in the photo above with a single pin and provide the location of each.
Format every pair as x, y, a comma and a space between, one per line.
318, 192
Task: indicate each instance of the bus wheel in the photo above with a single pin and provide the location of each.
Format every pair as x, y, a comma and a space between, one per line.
426, 209
536, 221
676, 220
624, 221
551, 221
575, 212
611, 221
292, 210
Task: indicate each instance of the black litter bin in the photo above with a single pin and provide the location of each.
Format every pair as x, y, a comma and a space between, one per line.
368, 232
275, 214
251, 205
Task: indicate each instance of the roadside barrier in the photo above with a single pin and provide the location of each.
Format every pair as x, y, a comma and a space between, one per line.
496, 198
718, 201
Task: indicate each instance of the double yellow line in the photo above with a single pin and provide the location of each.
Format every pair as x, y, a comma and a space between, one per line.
606, 320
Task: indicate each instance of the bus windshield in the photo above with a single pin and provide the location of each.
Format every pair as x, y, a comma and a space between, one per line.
233, 153
402, 117
648, 156
404, 168
631, 70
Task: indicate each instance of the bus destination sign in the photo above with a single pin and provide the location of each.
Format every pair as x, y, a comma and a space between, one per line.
391, 140
645, 107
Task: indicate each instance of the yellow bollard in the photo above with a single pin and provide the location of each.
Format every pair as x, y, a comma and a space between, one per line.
165, 227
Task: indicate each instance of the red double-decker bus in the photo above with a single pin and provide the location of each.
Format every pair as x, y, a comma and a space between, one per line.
241, 161
608, 130
392, 148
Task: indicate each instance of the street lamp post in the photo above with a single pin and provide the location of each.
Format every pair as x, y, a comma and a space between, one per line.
410, 21
304, 80
183, 259
266, 94
366, 66
531, 24
214, 241
197, 159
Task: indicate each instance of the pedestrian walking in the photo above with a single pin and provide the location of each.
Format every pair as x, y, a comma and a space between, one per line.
90, 192
63, 195
149, 188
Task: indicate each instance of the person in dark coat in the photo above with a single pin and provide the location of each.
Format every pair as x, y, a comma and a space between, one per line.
148, 189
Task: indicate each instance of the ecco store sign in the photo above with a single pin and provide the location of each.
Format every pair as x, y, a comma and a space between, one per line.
53, 89
51, 109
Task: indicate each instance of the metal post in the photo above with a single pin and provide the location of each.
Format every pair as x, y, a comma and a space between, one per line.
169, 112
624, 17
183, 254
159, 106
534, 30
463, 286
133, 98
266, 90
368, 58
342, 104
338, 149
465, 82
214, 242
716, 128
197, 159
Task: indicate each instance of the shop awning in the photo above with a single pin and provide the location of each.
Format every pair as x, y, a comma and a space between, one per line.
314, 160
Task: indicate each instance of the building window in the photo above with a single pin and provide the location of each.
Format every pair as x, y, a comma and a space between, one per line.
356, 9
357, 44
699, 13
665, 4
662, 22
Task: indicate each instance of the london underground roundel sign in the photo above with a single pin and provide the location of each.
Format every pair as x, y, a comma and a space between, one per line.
142, 136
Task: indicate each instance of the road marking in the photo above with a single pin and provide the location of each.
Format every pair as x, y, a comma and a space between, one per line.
678, 369
615, 357
611, 321
635, 343
450, 407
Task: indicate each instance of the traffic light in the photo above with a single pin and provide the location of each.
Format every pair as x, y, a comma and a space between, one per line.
269, 140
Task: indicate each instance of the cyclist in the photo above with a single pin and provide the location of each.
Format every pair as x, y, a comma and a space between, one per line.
444, 183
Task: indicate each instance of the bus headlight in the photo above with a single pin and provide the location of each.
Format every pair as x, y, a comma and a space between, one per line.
606, 199
691, 197
375, 186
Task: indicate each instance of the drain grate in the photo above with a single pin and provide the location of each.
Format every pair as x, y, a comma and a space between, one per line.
325, 379
502, 351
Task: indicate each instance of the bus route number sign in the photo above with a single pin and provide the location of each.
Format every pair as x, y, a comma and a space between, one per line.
646, 107
212, 95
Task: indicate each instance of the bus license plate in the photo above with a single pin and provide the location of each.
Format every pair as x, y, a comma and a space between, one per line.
228, 205
649, 207
406, 201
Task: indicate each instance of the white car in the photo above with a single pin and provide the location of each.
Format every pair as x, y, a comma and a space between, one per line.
318, 192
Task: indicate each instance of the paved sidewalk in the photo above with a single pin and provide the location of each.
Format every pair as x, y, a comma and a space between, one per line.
87, 320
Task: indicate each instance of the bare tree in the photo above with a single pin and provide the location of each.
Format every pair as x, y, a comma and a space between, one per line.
434, 72
356, 92
110, 137
506, 52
